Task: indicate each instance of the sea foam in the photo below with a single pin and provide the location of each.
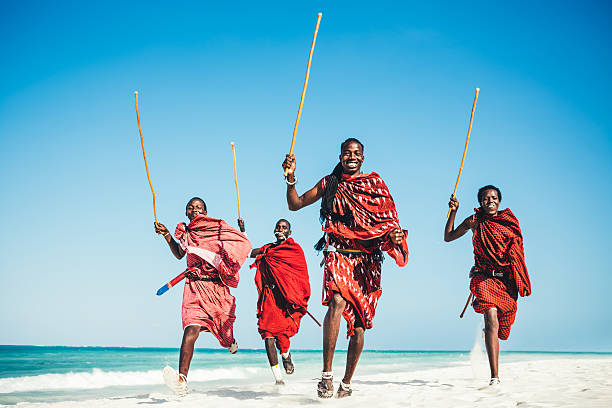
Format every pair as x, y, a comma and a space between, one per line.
98, 378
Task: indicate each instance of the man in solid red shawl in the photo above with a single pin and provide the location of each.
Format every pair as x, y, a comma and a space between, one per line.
215, 252
284, 289
360, 222
499, 274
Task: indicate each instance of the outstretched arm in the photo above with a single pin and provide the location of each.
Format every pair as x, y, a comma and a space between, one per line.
450, 232
294, 201
255, 252
176, 249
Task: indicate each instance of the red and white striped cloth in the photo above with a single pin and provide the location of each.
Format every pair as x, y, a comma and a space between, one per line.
356, 276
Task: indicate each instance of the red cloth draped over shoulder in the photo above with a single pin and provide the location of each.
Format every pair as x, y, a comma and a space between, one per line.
374, 213
284, 266
498, 244
217, 243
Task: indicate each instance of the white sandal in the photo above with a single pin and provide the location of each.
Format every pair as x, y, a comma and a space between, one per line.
175, 381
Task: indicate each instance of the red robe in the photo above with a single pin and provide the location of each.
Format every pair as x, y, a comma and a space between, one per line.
221, 250
498, 245
284, 289
356, 277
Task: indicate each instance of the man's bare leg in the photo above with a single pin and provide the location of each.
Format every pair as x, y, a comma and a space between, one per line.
189, 338
331, 326
352, 356
491, 340
271, 351
273, 359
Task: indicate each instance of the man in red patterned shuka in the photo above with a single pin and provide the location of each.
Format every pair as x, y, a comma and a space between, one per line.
359, 222
284, 289
215, 252
499, 274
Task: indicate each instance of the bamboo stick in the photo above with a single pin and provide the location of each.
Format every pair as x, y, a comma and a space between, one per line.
145, 157
297, 121
466, 146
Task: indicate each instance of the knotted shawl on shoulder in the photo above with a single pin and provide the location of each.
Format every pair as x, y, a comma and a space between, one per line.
216, 242
498, 243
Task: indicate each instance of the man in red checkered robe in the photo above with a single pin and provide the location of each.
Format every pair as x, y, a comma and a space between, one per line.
215, 252
360, 222
284, 289
499, 274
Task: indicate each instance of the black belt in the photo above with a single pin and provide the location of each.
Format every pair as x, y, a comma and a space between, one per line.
195, 277
494, 273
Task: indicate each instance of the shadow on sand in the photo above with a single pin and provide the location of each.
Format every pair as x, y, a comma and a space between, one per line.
414, 383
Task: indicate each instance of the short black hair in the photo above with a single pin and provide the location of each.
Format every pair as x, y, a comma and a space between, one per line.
350, 140
282, 219
482, 190
197, 199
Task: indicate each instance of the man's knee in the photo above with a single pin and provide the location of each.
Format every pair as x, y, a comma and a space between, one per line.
491, 321
191, 333
337, 303
358, 332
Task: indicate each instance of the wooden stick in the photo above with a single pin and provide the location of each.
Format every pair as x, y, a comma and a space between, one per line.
236, 178
297, 121
466, 146
145, 156
236, 182
313, 318
466, 305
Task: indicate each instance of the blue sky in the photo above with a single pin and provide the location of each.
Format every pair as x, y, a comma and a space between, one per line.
80, 262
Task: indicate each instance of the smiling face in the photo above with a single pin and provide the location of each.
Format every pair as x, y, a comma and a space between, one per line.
490, 202
351, 158
195, 207
282, 231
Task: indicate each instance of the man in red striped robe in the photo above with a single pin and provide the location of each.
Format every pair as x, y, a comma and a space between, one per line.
499, 274
360, 222
215, 252
284, 289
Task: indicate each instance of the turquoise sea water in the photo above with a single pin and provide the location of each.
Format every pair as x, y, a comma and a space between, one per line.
52, 374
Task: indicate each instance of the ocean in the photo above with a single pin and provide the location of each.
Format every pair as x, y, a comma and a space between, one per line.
37, 374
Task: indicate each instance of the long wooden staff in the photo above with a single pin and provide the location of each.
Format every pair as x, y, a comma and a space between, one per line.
313, 318
145, 156
466, 146
297, 121
466, 305
236, 182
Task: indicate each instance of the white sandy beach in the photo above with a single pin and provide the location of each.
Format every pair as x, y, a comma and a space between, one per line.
571, 382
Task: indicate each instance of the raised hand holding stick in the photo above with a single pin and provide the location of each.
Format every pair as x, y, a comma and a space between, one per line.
466, 146
297, 121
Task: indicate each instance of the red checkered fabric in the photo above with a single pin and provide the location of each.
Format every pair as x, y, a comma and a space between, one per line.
284, 289
228, 246
491, 293
356, 277
209, 304
498, 246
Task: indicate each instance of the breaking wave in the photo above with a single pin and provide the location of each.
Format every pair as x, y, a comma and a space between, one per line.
100, 379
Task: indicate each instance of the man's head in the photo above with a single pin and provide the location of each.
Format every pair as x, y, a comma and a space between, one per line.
351, 156
489, 198
194, 207
282, 230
